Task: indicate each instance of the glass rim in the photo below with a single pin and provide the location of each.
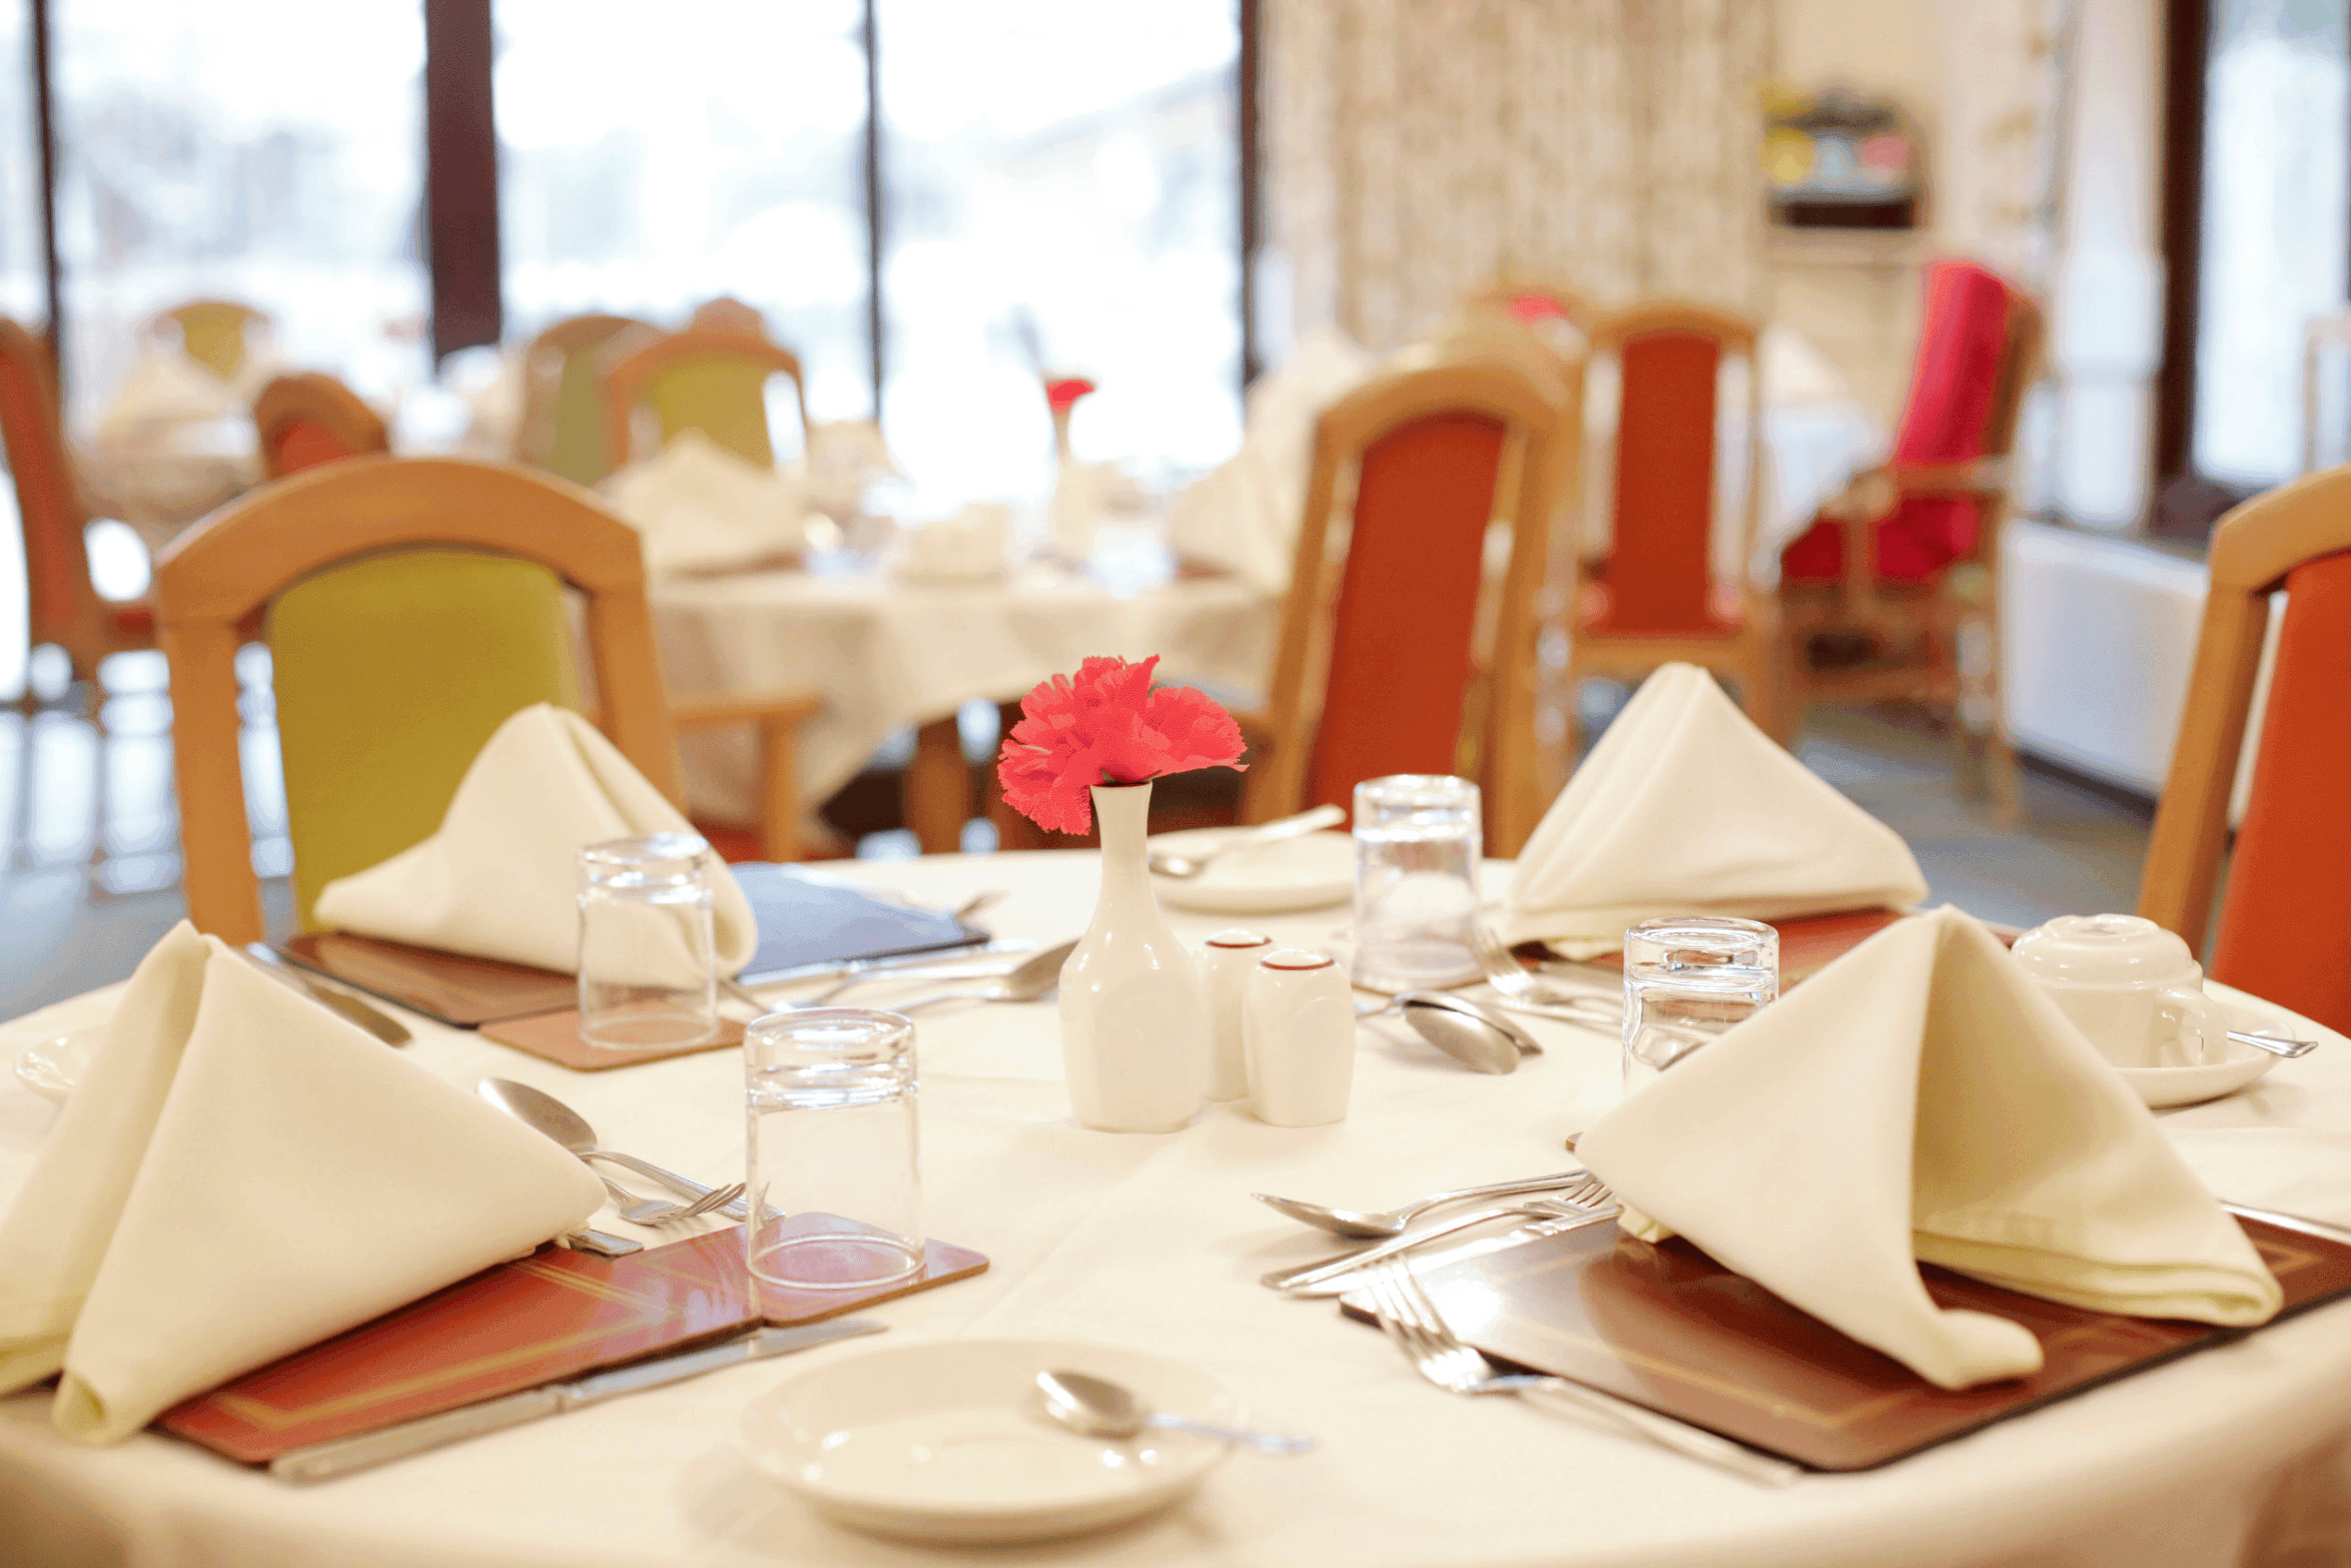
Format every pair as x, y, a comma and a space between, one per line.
1423, 788
878, 1024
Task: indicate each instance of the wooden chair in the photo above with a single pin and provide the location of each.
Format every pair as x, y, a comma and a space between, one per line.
2320, 334
711, 382
310, 419
1377, 670
1659, 595
1876, 596
216, 334
65, 609
726, 313
2285, 925
435, 585
562, 428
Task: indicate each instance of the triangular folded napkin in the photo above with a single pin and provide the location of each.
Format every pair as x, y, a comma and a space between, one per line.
699, 508
1922, 1098
1684, 807
499, 878
240, 1173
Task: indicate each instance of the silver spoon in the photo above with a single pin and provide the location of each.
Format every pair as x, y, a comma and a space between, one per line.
1471, 1033
1096, 1408
1359, 1224
2273, 1044
1179, 866
543, 1114
1038, 975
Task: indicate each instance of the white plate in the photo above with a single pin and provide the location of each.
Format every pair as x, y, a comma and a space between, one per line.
947, 1441
51, 1068
2164, 1087
1312, 872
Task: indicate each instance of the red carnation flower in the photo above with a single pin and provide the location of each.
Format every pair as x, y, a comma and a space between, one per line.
1064, 394
1106, 726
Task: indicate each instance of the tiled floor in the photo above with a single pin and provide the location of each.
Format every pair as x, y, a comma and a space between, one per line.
89, 862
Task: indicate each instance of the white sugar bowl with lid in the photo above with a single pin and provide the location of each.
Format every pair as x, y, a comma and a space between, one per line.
2131, 986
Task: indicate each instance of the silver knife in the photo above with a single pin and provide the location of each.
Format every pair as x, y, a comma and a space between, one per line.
343, 1456
382, 1024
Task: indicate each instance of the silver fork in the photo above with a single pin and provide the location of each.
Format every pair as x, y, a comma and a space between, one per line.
653, 1211
1588, 1201
1411, 1320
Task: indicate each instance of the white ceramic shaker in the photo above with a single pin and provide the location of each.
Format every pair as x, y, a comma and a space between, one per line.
1298, 1033
1227, 959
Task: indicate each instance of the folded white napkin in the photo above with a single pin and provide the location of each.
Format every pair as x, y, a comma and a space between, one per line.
161, 391
1243, 516
1922, 1098
699, 507
240, 1173
974, 545
499, 878
1684, 807
845, 459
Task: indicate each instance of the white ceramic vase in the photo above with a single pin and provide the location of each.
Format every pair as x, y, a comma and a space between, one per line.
1135, 1015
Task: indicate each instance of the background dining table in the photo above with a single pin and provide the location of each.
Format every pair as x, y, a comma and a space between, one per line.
1153, 1241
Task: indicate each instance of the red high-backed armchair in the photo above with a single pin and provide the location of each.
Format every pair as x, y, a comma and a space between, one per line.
1660, 597
2285, 925
304, 420
1874, 594
65, 609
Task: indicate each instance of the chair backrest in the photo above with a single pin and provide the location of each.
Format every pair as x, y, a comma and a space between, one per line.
310, 419
2319, 333
1669, 359
2285, 925
48, 504
213, 333
711, 382
1978, 351
371, 540
726, 313
1377, 655
562, 428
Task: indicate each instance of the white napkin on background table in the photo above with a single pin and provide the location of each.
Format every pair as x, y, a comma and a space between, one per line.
1922, 1098
242, 1173
701, 507
1684, 807
499, 877
974, 545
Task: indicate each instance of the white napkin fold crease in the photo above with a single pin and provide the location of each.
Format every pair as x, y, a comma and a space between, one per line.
1685, 807
499, 878
1923, 1099
240, 1173
700, 507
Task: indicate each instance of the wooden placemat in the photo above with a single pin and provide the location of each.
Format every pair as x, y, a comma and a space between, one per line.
1670, 1328
555, 1036
466, 991
549, 1317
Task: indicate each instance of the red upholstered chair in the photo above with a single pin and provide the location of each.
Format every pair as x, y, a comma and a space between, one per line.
1380, 669
1875, 593
2285, 924
304, 420
1659, 595
65, 607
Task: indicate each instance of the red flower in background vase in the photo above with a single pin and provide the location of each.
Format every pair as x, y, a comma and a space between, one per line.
1062, 392
1106, 726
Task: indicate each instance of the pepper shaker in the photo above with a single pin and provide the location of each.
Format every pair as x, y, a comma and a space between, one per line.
1298, 1031
1227, 959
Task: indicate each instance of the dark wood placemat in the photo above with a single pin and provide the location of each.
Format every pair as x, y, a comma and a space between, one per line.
1669, 1327
555, 1036
466, 991
553, 1316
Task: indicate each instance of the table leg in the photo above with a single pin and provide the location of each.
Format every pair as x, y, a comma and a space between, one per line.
938, 788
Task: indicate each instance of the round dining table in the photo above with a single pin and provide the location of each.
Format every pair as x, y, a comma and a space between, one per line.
2235, 1454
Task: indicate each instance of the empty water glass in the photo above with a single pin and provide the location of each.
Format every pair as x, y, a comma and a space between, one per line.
1417, 846
649, 965
1688, 978
834, 1186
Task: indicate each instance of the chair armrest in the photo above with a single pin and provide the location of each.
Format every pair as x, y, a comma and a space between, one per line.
778, 718
695, 713
1968, 478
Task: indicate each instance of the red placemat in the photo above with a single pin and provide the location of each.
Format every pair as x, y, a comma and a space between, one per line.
1670, 1328
555, 1036
553, 1316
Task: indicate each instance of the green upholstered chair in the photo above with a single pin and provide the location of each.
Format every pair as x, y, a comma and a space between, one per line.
562, 423
711, 382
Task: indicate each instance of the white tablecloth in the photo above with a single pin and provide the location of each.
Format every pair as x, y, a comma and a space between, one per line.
1152, 1241
887, 653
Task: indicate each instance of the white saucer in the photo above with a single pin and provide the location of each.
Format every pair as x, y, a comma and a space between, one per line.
1312, 872
2164, 1087
947, 1441
50, 1067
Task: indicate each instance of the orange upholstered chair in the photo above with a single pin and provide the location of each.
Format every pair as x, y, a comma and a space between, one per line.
1380, 668
1659, 595
1875, 595
310, 419
2285, 923
65, 607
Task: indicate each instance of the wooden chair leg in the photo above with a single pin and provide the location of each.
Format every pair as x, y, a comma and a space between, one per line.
779, 789
936, 788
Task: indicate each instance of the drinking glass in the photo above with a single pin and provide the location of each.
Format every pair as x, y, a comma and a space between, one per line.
649, 965
833, 1183
1417, 844
1687, 979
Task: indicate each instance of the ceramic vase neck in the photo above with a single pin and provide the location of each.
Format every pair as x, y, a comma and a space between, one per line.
1123, 813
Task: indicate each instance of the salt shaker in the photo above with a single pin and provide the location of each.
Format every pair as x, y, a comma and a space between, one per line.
1298, 1031
1227, 959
